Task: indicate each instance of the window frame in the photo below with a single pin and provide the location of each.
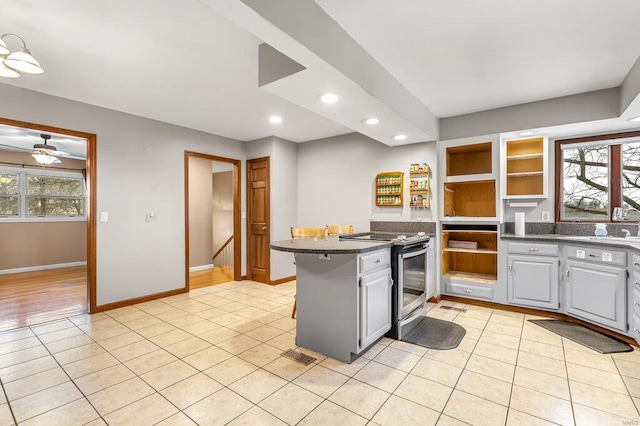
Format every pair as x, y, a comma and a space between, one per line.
22, 194
615, 142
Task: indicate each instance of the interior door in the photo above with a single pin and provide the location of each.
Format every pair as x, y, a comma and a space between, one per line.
258, 220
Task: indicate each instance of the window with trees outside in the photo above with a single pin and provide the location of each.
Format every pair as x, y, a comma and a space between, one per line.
37, 194
596, 174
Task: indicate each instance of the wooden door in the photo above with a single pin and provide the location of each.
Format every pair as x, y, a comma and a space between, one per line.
258, 220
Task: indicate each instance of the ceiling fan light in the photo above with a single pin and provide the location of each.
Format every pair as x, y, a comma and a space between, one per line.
45, 158
22, 61
7, 72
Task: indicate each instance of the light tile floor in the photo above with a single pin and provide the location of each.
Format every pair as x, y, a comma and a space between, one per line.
212, 356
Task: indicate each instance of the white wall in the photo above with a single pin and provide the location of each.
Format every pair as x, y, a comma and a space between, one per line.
336, 180
283, 155
140, 165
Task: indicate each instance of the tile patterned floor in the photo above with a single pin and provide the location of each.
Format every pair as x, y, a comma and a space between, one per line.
212, 356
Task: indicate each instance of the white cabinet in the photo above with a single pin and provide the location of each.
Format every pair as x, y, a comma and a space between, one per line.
375, 306
532, 278
344, 301
533, 281
595, 286
634, 298
524, 168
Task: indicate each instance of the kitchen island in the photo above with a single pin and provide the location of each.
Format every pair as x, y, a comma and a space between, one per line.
343, 294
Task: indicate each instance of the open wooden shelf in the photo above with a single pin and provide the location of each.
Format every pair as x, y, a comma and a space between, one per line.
470, 262
469, 159
470, 198
464, 250
471, 277
525, 167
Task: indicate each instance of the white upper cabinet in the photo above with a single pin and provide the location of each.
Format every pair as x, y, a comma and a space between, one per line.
524, 168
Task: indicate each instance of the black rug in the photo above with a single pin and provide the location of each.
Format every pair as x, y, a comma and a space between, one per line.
592, 339
435, 334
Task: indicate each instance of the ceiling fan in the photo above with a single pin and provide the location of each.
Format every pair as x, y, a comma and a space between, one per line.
43, 152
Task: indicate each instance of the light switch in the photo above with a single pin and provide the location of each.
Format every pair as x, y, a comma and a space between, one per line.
104, 216
546, 217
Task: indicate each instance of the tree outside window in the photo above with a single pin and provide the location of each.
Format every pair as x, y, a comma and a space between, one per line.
598, 176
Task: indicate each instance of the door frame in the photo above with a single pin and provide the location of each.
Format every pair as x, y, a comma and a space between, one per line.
91, 167
237, 237
250, 216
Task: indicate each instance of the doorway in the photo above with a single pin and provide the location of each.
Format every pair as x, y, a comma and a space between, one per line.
38, 283
212, 220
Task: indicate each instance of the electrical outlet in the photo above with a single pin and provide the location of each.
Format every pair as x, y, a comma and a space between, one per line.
104, 216
546, 217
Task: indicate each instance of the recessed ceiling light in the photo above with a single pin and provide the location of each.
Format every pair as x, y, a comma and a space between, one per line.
371, 121
329, 98
400, 137
275, 119
635, 119
526, 133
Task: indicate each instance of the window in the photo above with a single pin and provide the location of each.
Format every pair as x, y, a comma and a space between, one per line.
9, 205
54, 196
26, 194
596, 174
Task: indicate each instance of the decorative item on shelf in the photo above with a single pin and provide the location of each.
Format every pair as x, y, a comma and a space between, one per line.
389, 189
419, 185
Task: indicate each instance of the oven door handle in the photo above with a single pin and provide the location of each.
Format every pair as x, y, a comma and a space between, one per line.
412, 253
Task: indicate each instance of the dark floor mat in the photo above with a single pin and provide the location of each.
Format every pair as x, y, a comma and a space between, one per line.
592, 339
435, 334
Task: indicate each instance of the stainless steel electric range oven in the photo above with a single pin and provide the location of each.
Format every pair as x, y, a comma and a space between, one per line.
409, 273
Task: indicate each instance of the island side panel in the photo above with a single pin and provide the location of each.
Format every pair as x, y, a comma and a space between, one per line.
327, 297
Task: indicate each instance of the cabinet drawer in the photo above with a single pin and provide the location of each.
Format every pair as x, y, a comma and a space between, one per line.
469, 290
635, 262
533, 248
594, 254
374, 261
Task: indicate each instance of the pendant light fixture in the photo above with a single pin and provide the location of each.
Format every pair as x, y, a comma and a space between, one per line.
17, 61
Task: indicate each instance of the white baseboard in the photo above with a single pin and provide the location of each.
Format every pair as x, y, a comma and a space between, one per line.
201, 268
41, 268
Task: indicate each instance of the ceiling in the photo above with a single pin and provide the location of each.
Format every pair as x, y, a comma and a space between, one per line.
194, 63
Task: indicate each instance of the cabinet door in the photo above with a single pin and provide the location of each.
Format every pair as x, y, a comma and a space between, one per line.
597, 293
375, 307
533, 281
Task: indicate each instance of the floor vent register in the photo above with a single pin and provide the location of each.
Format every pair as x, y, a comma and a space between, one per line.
451, 308
298, 357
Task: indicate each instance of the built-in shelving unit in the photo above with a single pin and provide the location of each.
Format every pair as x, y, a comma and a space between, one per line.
389, 189
469, 220
524, 168
470, 264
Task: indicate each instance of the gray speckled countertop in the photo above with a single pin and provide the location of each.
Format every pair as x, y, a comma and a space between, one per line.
331, 245
578, 239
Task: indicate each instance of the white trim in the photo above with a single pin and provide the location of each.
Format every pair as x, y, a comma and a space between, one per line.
201, 268
41, 267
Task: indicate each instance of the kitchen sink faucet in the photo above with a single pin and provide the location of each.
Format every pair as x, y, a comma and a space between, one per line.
635, 210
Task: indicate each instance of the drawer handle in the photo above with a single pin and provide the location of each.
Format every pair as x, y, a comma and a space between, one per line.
636, 330
636, 303
467, 291
636, 264
592, 255
533, 249
377, 261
